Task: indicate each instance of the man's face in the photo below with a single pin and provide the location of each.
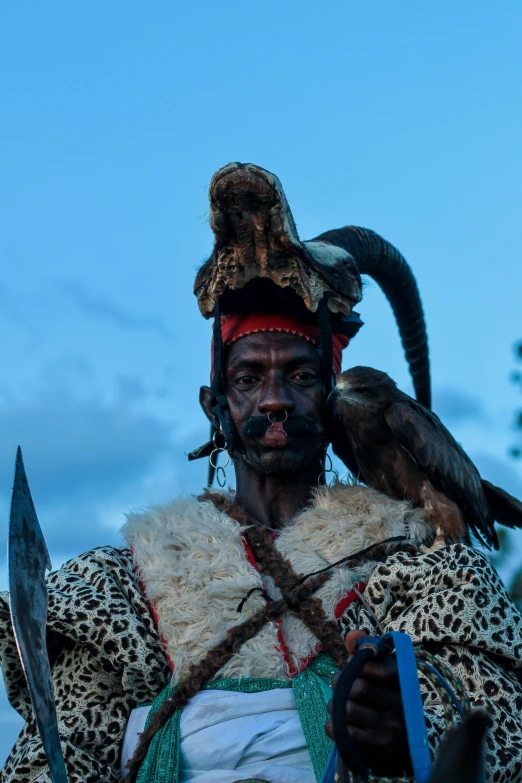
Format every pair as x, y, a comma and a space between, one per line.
279, 375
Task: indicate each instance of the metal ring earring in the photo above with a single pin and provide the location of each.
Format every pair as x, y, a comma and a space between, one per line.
327, 468
221, 476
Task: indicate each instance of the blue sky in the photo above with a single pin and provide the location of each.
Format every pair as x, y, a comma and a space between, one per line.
402, 117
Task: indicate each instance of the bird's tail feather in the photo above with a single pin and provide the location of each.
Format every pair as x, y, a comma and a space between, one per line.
505, 509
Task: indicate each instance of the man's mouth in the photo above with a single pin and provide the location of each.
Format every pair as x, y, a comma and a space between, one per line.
275, 434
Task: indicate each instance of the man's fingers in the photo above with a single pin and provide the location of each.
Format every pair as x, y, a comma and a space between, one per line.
351, 638
365, 691
377, 723
370, 742
384, 671
372, 695
369, 728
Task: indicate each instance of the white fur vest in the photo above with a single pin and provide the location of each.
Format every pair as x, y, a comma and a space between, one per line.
196, 567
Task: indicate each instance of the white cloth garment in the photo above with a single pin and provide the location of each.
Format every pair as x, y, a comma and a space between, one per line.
228, 736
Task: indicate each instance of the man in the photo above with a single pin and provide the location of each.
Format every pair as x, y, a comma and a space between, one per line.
199, 637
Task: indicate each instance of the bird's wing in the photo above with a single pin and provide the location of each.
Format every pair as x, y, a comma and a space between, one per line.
422, 434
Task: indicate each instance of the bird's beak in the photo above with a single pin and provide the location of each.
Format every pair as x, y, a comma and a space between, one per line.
333, 394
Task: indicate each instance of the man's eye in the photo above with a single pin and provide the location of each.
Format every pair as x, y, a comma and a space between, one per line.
245, 380
304, 377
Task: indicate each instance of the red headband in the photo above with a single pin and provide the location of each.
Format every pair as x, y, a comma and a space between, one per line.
236, 326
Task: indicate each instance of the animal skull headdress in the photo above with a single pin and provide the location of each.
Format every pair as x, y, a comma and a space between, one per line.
259, 264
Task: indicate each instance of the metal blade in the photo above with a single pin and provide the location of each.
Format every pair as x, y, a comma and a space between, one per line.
28, 558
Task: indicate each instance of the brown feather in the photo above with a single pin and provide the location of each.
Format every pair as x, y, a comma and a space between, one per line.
399, 447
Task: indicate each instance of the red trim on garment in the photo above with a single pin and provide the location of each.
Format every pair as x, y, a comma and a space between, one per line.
282, 646
349, 598
154, 613
248, 552
304, 663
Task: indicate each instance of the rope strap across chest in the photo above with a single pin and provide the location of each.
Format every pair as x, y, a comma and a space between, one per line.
298, 597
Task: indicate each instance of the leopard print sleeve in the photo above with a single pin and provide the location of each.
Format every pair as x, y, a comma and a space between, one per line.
453, 603
106, 658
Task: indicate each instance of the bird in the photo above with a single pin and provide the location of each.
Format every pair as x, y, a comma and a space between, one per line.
392, 443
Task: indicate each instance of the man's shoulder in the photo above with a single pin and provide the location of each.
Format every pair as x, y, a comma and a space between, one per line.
463, 562
100, 557
102, 561
98, 569
455, 576
179, 521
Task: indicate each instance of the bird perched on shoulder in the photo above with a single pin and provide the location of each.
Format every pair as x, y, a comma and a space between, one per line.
392, 443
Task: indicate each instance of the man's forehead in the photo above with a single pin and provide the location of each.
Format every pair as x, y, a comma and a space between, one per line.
272, 346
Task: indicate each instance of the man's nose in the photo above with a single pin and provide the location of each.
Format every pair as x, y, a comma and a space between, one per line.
275, 398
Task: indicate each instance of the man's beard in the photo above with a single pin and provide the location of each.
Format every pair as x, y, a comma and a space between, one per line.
307, 447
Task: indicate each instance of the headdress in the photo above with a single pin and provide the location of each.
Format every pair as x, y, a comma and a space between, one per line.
260, 266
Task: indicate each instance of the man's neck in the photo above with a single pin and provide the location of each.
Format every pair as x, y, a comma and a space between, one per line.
275, 499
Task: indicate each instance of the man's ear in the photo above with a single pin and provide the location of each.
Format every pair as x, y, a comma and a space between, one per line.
204, 401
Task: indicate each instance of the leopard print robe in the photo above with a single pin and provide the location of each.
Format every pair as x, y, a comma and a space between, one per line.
120, 620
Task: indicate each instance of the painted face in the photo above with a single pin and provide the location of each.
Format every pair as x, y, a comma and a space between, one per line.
279, 376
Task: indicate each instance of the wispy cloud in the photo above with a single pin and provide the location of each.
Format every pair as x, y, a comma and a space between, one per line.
88, 458
13, 307
110, 312
76, 446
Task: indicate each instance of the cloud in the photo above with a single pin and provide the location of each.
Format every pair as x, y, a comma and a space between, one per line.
89, 460
73, 446
14, 309
456, 407
104, 310
500, 472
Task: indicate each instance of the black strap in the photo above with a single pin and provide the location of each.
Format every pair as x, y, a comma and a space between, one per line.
324, 322
218, 401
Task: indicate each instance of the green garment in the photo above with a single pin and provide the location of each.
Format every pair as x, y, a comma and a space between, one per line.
311, 690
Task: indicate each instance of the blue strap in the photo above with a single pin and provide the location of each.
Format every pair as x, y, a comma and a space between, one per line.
331, 767
447, 687
413, 707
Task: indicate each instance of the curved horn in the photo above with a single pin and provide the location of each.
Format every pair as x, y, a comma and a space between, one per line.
379, 259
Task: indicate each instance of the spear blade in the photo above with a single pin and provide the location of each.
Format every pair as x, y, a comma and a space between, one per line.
28, 559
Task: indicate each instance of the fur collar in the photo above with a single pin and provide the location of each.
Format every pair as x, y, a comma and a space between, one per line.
195, 570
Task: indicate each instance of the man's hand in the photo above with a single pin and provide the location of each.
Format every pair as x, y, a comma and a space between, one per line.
375, 716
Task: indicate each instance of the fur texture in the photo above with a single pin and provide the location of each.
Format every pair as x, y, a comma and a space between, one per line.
193, 564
